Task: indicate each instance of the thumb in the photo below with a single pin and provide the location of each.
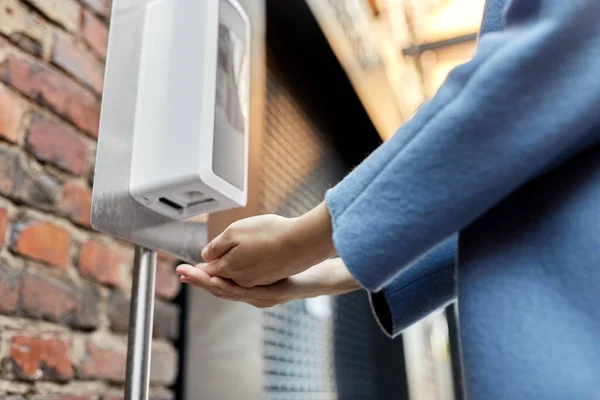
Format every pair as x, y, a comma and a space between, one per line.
217, 247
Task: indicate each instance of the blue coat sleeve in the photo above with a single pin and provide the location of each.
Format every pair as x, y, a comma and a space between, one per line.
526, 102
418, 291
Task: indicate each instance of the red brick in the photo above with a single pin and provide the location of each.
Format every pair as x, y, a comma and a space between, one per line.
167, 282
104, 362
11, 115
3, 223
108, 362
77, 61
102, 7
52, 89
42, 241
76, 203
101, 263
21, 183
164, 364
58, 301
63, 12
95, 33
10, 285
54, 143
40, 358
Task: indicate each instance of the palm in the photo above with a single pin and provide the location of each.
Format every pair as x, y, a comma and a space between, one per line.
330, 277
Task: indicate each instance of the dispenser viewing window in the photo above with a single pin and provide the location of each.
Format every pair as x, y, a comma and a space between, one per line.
191, 133
230, 120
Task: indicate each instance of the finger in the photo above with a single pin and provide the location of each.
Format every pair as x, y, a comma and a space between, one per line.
193, 275
239, 293
231, 288
198, 278
263, 303
270, 293
225, 289
217, 247
181, 268
215, 268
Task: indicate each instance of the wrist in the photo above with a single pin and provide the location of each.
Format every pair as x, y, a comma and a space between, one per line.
343, 276
338, 279
312, 234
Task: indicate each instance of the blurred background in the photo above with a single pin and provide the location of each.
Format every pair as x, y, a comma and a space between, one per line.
333, 79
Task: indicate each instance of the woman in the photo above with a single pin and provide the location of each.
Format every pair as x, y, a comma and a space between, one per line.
506, 154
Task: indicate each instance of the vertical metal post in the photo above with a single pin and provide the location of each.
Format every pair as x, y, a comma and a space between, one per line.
141, 316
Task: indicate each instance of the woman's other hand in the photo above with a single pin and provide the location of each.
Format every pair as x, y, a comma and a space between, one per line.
330, 277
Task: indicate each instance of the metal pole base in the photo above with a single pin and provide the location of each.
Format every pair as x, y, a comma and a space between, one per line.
141, 316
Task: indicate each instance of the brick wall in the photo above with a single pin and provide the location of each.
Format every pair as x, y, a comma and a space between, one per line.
63, 288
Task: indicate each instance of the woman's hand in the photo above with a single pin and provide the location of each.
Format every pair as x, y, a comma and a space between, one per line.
268, 248
330, 277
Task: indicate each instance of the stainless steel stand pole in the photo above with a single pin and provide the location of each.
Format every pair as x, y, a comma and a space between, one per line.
141, 316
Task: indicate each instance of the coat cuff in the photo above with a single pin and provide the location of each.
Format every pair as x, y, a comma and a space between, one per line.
401, 304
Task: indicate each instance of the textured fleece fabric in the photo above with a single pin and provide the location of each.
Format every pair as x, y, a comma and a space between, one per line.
427, 285
506, 153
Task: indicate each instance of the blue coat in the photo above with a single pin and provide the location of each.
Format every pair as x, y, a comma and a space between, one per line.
506, 154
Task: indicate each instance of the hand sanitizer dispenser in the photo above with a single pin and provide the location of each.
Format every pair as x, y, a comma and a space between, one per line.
190, 141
